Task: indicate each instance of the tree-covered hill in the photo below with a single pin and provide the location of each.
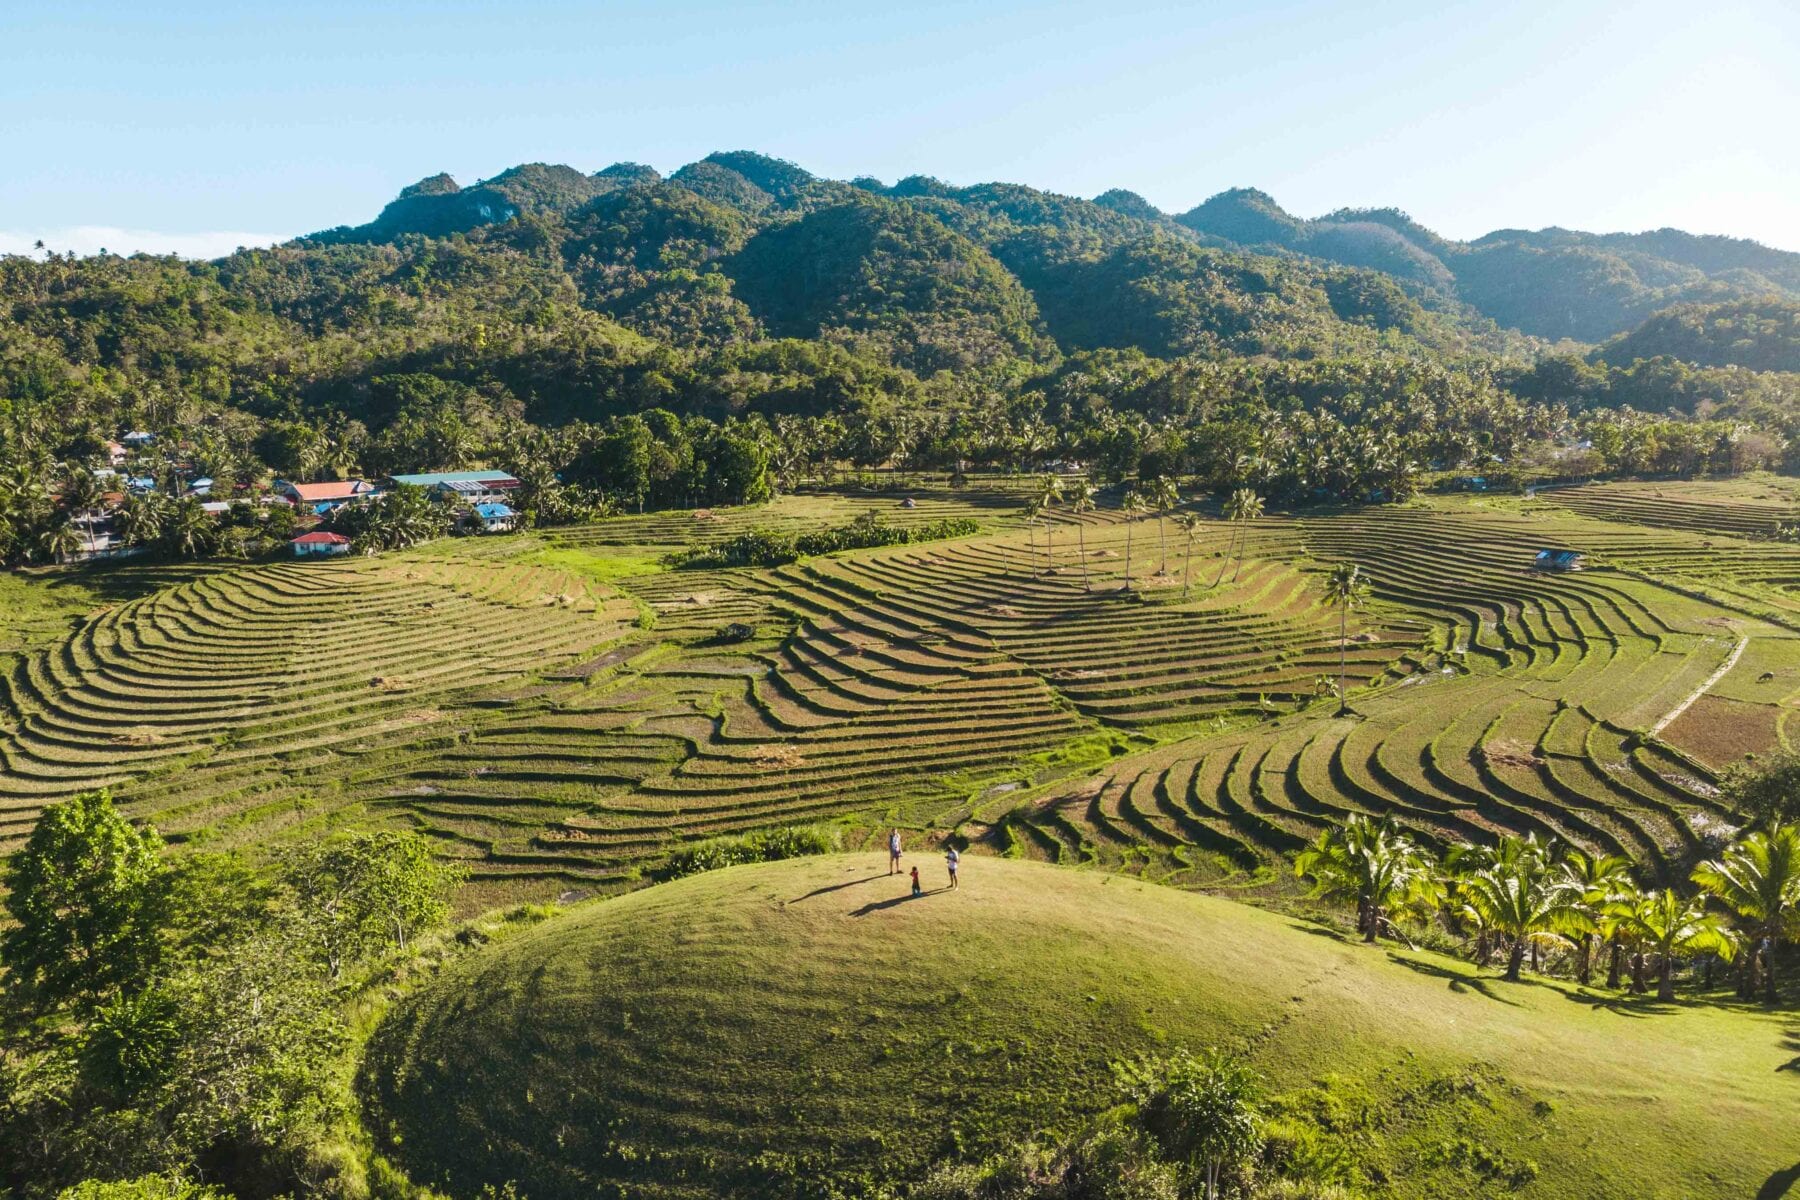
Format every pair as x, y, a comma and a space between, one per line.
1761, 334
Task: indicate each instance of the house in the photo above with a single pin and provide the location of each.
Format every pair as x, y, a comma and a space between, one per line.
495, 517
115, 454
1558, 560
139, 484
217, 508
320, 544
137, 439
200, 487
321, 498
474, 487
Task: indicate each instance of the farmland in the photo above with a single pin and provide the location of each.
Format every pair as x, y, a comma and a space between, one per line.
560, 711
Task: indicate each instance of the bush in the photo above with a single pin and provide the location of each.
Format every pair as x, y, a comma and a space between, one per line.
765, 547
765, 845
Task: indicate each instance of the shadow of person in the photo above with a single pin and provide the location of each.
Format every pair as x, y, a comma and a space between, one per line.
838, 887
1780, 1184
878, 905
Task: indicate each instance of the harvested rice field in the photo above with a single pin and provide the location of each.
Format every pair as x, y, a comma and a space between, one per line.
562, 710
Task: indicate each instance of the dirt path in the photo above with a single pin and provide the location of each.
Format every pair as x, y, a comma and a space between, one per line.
1731, 659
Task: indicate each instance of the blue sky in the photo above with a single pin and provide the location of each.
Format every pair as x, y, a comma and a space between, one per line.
196, 124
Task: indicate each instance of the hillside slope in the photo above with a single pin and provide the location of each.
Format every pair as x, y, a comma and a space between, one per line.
781, 1028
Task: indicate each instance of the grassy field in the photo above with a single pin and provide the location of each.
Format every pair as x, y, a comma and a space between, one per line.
559, 710
803, 1022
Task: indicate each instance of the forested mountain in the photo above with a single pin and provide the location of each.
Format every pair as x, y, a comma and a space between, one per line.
619, 328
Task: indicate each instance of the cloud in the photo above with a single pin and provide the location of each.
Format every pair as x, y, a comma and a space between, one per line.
91, 239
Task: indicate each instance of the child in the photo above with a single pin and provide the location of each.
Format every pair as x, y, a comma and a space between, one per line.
917, 890
953, 860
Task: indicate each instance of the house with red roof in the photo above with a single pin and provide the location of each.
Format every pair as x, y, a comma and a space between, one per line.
319, 544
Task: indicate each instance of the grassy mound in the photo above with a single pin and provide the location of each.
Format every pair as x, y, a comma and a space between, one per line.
782, 1028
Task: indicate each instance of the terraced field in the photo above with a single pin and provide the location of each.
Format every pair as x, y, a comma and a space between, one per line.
560, 712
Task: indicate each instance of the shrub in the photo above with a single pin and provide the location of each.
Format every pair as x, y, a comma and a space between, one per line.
764, 845
763, 547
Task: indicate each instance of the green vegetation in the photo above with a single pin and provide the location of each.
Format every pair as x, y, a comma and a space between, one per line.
772, 1028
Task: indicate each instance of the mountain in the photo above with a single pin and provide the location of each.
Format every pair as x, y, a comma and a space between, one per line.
1761, 334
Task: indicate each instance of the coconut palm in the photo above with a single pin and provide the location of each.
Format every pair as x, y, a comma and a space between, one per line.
60, 540
1133, 507
1345, 588
1082, 495
1033, 507
1759, 879
1050, 494
1601, 880
1466, 859
1241, 507
1373, 864
1671, 925
1163, 495
1190, 524
1524, 903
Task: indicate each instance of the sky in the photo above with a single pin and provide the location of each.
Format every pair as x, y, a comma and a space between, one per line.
195, 126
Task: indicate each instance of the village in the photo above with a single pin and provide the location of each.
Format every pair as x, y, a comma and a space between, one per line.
472, 501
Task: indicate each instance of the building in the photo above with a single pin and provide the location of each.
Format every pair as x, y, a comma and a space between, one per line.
495, 518
115, 454
1558, 560
321, 498
473, 487
137, 439
319, 544
200, 487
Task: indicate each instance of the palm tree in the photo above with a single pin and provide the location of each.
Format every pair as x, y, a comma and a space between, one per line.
1375, 865
1524, 903
1671, 925
1133, 507
1466, 859
1033, 507
1345, 588
1241, 507
192, 530
1759, 880
1190, 524
1601, 880
1164, 495
60, 540
1050, 493
1083, 493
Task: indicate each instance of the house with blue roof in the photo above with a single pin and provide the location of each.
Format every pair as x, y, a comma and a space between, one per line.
495, 517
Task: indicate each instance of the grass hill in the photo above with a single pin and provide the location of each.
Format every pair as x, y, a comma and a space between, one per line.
786, 1027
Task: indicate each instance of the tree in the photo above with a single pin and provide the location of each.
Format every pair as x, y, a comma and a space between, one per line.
60, 540
1601, 881
144, 1187
1373, 864
1345, 587
1522, 901
84, 895
1190, 524
1049, 495
1768, 793
1673, 925
1241, 507
1202, 1111
1164, 495
362, 894
1133, 507
1759, 879
1083, 494
1033, 508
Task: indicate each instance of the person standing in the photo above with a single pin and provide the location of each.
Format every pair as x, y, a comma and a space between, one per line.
894, 852
953, 860
917, 890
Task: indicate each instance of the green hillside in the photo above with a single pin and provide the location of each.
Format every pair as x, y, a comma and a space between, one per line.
1761, 335
778, 1028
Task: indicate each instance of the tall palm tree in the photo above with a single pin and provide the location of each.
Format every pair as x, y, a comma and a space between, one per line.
1375, 865
1190, 524
1033, 507
1345, 588
1083, 496
1164, 495
1601, 880
1133, 507
1241, 507
1672, 925
1759, 879
1050, 494
1250, 508
1522, 903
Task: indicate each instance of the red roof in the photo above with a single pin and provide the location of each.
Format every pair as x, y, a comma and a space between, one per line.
320, 538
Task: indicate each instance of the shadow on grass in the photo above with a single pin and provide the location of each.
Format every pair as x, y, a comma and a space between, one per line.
838, 887
1791, 1041
1459, 982
878, 905
1779, 1184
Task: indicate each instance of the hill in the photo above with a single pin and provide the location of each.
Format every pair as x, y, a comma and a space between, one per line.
1761, 335
780, 1029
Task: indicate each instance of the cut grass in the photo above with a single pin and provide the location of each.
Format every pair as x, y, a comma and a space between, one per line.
766, 1028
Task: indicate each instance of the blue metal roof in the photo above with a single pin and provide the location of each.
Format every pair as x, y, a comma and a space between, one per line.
433, 478
488, 512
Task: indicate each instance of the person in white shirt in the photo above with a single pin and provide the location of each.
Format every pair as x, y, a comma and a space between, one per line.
952, 860
894, 853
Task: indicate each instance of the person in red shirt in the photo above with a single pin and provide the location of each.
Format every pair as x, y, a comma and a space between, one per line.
917, 891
